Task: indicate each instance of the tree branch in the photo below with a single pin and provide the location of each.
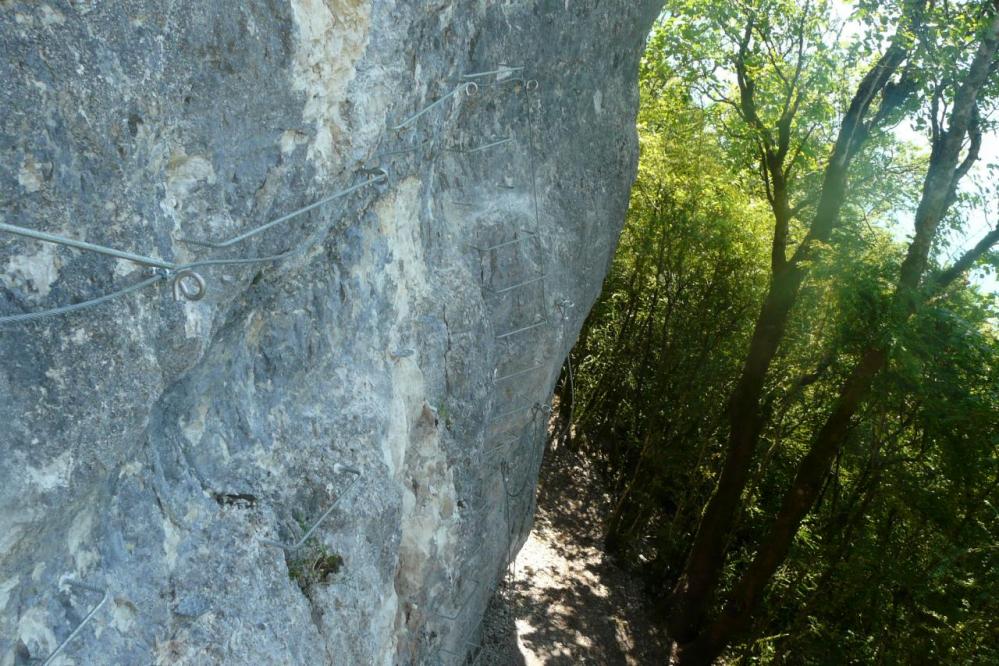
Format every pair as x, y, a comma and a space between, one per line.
771, 157
974, 147
945, 171
792, 99
747, 88
854, 132
797, 150
804, 203
893, 97
966, 261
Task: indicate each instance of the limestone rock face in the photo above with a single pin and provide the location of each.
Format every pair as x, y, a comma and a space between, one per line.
410, 329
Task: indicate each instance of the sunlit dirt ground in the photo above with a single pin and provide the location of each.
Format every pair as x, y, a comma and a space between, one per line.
565, 601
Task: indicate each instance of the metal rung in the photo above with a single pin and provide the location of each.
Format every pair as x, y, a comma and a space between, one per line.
528, 234
502, 70
469, 88
338, 469
517, 286
469, 151
502, 444
513, 411
521, 330
460, 609
519, 373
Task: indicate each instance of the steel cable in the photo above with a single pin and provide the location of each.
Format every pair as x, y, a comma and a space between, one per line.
76, 307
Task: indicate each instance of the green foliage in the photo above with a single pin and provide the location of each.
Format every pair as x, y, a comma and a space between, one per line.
661, 348
897, 563
315, 566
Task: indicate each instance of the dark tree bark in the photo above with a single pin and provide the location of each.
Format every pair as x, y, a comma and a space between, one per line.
797, 502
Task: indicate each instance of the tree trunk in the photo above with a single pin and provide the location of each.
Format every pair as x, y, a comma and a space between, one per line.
797, 502
692, 592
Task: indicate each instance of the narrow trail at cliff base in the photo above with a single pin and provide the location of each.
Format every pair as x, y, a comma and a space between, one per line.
565, 601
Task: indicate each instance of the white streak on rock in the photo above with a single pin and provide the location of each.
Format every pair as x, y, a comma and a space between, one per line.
35, 273
53, 475
30, 177
5, 589
332, 36
79, 533
34, 630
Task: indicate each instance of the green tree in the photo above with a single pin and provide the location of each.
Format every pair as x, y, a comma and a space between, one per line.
895, 78
692, 244
866, 361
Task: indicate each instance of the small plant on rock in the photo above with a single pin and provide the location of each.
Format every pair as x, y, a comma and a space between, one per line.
315, 566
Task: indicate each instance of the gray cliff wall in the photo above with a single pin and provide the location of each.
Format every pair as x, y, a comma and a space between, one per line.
150, 446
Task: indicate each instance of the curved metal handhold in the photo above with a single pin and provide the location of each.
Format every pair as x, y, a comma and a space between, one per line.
93, 611
470, 88
379, 173
338, 468
182, 285
531, 85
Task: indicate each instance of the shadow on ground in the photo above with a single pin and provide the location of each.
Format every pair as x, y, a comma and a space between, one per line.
566, 602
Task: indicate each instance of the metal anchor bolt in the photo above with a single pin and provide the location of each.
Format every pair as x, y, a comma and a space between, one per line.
188, 284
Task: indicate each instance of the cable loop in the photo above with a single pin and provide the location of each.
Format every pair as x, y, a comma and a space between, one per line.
189, 285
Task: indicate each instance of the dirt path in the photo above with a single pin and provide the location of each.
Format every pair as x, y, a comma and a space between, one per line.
566, 602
